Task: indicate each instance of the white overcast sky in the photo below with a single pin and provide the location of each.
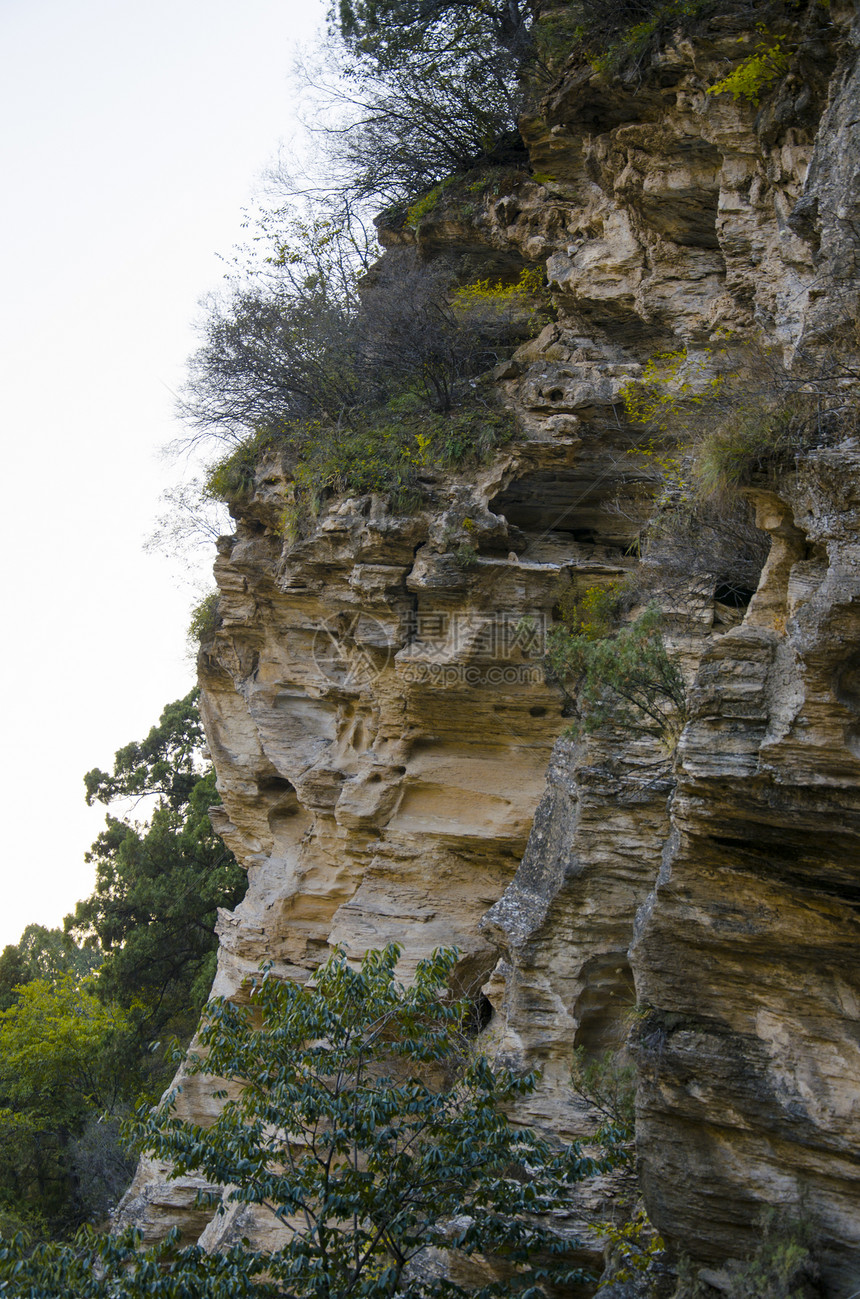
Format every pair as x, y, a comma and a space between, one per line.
132, 137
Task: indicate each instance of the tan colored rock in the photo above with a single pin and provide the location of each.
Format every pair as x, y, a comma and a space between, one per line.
381, 728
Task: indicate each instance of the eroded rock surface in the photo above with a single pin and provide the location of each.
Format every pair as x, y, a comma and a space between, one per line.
387, 747
750, 1057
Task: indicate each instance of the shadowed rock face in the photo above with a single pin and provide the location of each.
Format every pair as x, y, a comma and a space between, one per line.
387, 748
749, 1061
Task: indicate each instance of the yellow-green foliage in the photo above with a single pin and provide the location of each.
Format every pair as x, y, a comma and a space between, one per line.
52, 1042
677, 488
595, 613
521, 305
309, 241
670, 387
60, 1048
717, 420
649, 399
423, 206
636, 1245
527, 294
756, 73
670, 381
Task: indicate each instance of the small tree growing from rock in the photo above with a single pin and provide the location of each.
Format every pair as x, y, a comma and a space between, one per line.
618, 676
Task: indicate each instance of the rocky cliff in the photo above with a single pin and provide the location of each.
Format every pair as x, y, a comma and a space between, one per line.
393, 763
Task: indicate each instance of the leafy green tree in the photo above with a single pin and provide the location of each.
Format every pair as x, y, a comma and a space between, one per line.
167, 764
159, 884
366, 1124
77, 1022
407, 94
64, 1055
52, 1048
41, 953
390, 31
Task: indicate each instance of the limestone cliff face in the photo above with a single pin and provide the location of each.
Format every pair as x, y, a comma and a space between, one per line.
391, 759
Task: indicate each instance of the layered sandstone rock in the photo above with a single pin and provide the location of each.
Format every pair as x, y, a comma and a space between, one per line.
388, 749
746, 952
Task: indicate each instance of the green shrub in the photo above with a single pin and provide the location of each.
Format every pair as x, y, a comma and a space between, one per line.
22, 1223
232, 478
723, 418
456, 196
357, 387
760, 435
466, 556
608, 1083
557, 32
380, 450
625, 680
470, 436
783, 1265
614, 36
595, 613
205, 619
